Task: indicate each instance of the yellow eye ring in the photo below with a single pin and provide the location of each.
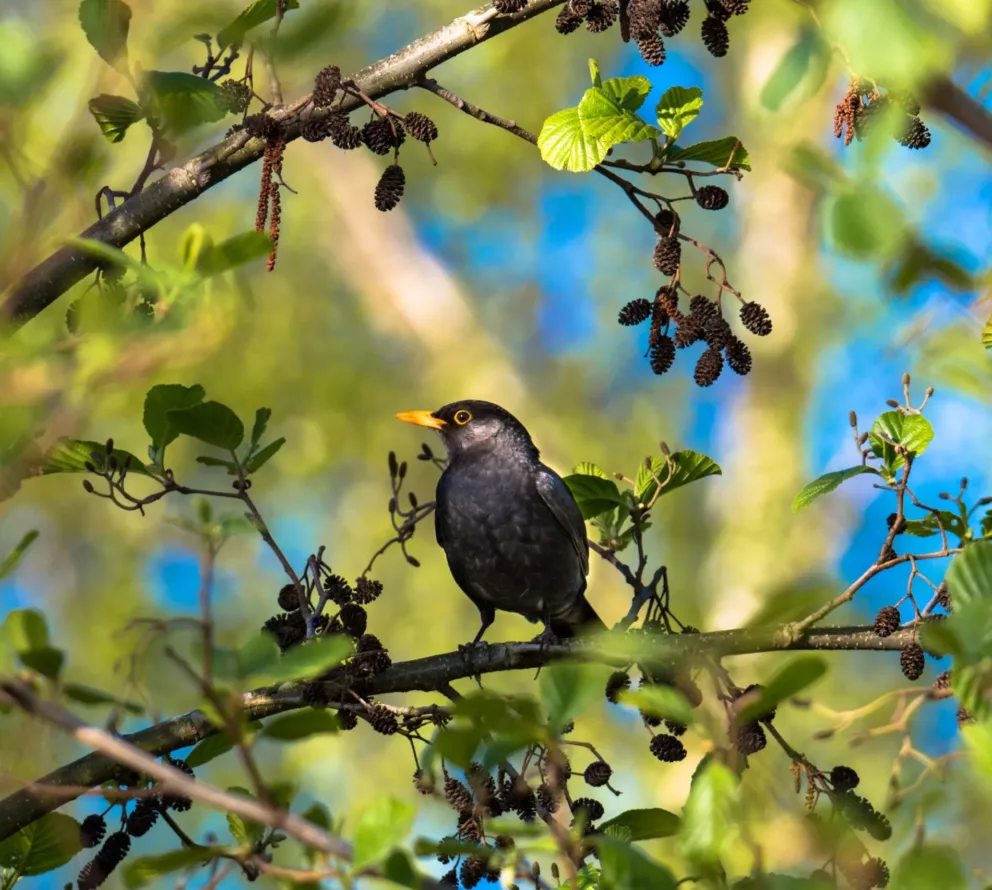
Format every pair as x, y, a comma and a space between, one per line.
462, 417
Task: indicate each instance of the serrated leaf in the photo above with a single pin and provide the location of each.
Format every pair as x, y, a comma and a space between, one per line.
255, 14
688, 466
646, 824
791, 678
987, 334
214, 259
43, 846
629, 92
300, 725
145, 869
804, 64
179, 101
969, 577
71, 456
678, 107
827, 483
727, 152
88, 695
594, 73
565, 146
710, 815
262, 416
383, 826
159, 401
626, 867
912, 431
593, 494
105, 24
587, 468
567, 690
210, 422
262, 457
114, 114
11, 560
606, 120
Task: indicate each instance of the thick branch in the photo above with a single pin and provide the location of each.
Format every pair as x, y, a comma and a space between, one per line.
424, 674
945, 96
182, 184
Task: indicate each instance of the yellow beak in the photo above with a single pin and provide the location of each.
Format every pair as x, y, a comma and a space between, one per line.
421, 418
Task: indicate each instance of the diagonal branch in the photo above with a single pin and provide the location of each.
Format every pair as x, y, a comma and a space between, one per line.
423, 674
185, 183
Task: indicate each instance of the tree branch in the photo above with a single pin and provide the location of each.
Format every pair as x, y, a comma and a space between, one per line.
185, 183
424, 674
945, 96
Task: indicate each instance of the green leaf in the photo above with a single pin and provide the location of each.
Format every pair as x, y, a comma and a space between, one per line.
594, 73
310, 659
865, 223
105, 24
646, 824
625, 867
259, 459
256, 656
255, 14
677, 108
245, 832
587, 468
987, 334
380, 828
209, 749
46, 660
827, 483
628, 92
214, 259
210, 422
710, 818
87, 695
605, 119
262, 416
928, 867
209, 461
688, 466
43, 846
400, 869
564, 144
114, 114
162, 399
791, 678
300, 725
662, 701
145, 869
72, 455
782, 882
26, 629
566, 690
805, 64
969, 577
912, 431
179, 101
593, 494
458, 744
727, 152
11, 560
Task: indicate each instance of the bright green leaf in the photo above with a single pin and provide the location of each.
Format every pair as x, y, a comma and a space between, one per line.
162, 399
628, 92
214, 259
827, 483
987, 334
257, 13
143, 870
262, 416
661, 701
300, 725
380, 828
105, 24
87, 695
593, 494
912, 431
179, 101
646, 824
625, 867
688, 466
26, 629
710, 815
310, 659
605, 119
11, 560
568, 689
565, 146
262, 457
727, 152
457, 744
929, 867
210, 422
257, 655
791, 678
42, 846
865, 223
594, 73
969, 577
587, 468
72, 455
114, 114
804, 64
678, 107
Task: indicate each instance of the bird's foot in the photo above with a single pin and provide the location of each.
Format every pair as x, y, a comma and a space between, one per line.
466, 649
546, 637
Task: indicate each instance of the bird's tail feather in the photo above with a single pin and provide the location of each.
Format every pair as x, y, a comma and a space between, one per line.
582, 621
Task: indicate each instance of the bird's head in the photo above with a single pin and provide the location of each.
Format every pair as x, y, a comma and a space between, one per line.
471, 424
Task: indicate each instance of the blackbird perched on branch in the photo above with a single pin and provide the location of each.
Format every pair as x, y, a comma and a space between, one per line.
510, 528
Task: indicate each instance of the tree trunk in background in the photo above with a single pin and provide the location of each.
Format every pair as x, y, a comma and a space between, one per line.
762, 546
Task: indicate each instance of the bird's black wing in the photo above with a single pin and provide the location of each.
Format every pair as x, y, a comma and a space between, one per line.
559, 499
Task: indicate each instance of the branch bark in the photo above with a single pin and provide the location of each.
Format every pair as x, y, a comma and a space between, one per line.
945, 96
186, 182
424, 674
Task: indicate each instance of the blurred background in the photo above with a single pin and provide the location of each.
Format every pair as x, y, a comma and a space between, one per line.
498, 278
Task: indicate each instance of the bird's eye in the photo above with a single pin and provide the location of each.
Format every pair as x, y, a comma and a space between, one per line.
462, 417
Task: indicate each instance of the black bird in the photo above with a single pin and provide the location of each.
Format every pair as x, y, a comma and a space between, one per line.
510, 528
